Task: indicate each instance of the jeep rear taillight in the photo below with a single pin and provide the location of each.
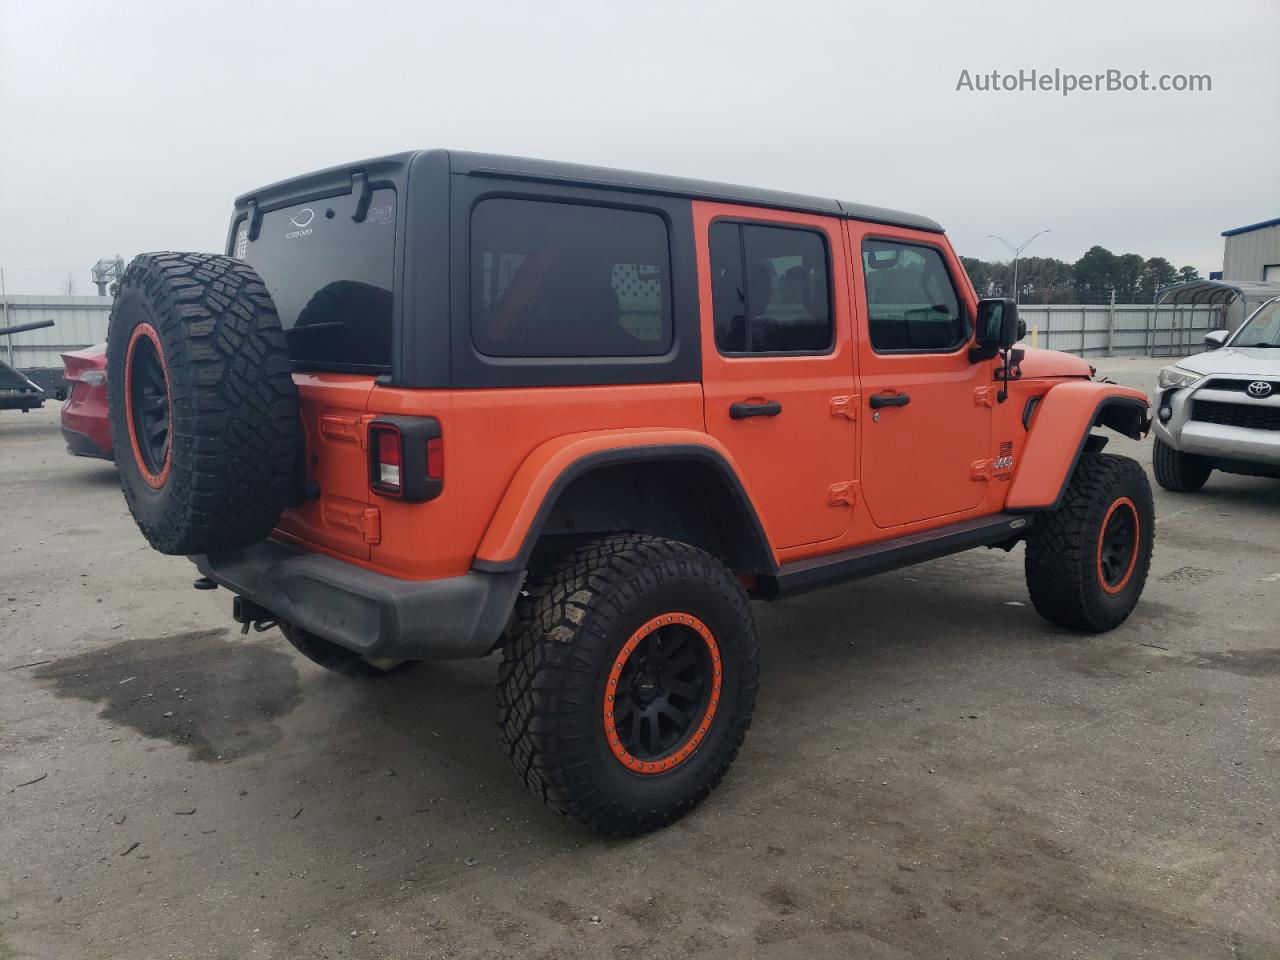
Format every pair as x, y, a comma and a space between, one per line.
406, 458
384, 450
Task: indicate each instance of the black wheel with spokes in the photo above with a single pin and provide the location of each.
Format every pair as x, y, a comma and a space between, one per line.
662, 693
1118, 545
148, 403
628, 683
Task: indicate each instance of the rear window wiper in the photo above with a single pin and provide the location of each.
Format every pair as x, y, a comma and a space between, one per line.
311, 327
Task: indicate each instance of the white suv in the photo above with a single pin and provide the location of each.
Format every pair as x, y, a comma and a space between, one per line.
1220, 410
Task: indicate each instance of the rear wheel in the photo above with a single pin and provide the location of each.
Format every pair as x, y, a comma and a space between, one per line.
1178, 471
329, 655
1087, 561
629, 681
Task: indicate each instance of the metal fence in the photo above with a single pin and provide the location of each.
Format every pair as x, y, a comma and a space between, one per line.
1121, 330
77, 322
1126, 329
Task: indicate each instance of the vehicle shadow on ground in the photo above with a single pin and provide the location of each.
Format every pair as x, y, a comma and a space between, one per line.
89, 474
435, 725
1236, 491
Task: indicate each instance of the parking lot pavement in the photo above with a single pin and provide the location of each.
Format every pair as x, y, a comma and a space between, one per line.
933, 771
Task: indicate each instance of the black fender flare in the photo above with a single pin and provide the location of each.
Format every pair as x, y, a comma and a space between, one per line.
763, 560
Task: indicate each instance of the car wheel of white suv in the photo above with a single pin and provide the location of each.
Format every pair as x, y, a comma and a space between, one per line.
1178, 471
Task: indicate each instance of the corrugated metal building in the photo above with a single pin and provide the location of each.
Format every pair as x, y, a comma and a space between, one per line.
77, 322
1252, 252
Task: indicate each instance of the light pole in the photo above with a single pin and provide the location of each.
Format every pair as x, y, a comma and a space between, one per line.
1017, 252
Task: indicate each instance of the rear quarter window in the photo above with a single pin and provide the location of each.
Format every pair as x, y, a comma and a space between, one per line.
569, 280
331, 278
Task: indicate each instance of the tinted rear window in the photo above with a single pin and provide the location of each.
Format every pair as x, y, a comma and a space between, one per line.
569, 280
330, 278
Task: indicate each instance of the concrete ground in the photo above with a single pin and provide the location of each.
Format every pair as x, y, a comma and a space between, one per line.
934, 771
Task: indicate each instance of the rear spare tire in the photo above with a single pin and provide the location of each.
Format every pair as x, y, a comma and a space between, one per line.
204, 413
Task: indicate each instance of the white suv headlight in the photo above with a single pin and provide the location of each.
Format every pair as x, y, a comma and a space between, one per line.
1175, 377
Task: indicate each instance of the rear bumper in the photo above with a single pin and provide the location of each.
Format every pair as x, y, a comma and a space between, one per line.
84, 422
371, 613
82, 445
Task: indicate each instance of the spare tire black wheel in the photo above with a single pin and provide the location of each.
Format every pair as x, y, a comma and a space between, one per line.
204, 412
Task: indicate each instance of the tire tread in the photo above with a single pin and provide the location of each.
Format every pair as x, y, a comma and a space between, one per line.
234, 425
1059, 561
1177, 471
545, 678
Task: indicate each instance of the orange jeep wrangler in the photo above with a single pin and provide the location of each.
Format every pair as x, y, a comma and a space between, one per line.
440, 404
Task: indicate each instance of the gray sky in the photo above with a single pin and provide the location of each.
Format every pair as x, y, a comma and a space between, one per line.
130, 126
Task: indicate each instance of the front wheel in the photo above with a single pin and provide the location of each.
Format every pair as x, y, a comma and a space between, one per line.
1087, 561
1178, 471
628, 684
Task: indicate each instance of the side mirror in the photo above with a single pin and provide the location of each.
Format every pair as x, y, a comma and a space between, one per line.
1216, 338
998, 327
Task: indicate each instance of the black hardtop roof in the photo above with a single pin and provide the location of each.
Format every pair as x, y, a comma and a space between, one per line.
550, 171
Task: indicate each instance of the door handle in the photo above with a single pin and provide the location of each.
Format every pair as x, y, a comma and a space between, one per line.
766, 408
879, 400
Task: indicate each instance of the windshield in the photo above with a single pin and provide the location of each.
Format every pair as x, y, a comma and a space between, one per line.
330, 277
1262, 329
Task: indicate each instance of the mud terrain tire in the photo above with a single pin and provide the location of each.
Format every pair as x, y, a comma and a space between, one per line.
204, 412
1179, 472
618, 604
1087, 561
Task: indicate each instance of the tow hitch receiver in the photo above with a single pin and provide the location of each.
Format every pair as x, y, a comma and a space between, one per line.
249, 614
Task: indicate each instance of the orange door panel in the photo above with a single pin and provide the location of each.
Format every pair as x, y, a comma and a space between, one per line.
777, 387
926, 414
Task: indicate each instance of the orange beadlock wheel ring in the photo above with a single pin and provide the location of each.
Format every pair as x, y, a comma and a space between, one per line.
148, 405
1118, 543
662, 693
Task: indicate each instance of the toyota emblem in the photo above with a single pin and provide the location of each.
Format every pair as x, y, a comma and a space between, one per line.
1259, 389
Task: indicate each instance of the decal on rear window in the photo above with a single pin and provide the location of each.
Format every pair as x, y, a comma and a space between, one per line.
330, 276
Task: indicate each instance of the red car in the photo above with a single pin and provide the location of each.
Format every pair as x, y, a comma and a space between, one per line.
84, 415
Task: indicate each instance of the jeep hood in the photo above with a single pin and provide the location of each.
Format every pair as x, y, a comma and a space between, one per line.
1052, 363
1247, 361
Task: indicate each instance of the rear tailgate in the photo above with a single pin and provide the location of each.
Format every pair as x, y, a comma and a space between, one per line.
333, 482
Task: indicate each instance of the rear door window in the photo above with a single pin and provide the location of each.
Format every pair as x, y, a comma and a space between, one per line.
569, 280
331, 279
911, 302
769, 289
